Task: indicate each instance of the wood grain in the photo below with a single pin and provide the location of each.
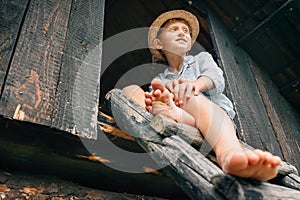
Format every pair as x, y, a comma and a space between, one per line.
78, 89
29, 92
12, 14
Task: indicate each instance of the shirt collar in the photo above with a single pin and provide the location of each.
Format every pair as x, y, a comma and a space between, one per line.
187, 61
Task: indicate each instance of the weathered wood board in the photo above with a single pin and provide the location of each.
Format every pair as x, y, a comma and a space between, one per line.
78, 88
50, 63
263, 116
30, 86
284, 119
12, 13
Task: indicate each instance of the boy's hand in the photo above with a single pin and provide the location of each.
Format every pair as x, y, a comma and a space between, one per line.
181, 89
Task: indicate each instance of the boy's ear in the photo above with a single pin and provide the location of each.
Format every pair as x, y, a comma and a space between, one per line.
157, 43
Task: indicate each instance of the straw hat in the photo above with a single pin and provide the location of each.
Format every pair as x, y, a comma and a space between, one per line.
160, 20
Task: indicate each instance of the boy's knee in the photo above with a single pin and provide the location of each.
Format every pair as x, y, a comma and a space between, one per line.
136, 93
131, 89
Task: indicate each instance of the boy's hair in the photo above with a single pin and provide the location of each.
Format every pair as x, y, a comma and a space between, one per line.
173, 20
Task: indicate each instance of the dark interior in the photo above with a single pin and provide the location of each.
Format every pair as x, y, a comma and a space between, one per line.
122, 16
267, 30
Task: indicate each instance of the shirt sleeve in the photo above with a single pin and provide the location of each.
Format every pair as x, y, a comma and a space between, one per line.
208, 67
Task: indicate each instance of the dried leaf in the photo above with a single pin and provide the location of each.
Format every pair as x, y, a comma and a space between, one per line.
4, 188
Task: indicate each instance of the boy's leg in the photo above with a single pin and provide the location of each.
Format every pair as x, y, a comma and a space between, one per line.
217, 128
136, 93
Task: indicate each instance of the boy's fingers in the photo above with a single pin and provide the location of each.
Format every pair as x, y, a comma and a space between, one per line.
185, 91
196, 90
189, 90
149, 108
169, 86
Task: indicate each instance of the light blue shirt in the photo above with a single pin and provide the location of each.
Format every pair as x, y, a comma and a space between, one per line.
203, 65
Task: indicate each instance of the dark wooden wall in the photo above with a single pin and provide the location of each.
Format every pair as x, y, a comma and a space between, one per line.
265, 119
269, 32
47, 74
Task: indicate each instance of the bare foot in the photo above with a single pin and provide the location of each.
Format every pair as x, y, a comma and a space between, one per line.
256, 164
161, 101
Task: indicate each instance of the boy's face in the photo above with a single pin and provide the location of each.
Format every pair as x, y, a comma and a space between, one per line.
175, 38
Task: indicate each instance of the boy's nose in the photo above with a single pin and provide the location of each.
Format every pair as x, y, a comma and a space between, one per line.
181, 32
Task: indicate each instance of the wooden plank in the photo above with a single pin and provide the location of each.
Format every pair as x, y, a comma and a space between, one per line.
12, 13
276, 47
30, 87
78, 89
236, 188
192, 171
284, 119
258, 12
253, 123
290, 181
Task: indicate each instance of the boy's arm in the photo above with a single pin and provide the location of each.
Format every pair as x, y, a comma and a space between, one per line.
202, 84
213, 80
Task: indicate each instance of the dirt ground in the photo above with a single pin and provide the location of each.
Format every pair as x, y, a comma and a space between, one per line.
20, 185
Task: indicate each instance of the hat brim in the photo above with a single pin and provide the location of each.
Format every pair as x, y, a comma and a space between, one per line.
161, 19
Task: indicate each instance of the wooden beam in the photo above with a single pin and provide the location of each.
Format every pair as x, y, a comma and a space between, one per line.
188, 168
78, 89
236, 188
269, 21
18, 185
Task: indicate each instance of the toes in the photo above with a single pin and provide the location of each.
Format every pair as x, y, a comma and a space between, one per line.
267, 158
148, 102
253, 158
276, 161
148, 95
149, 108
259, 164
157, 84
156, 93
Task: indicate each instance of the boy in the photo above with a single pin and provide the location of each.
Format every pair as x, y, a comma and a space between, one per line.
190, 91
